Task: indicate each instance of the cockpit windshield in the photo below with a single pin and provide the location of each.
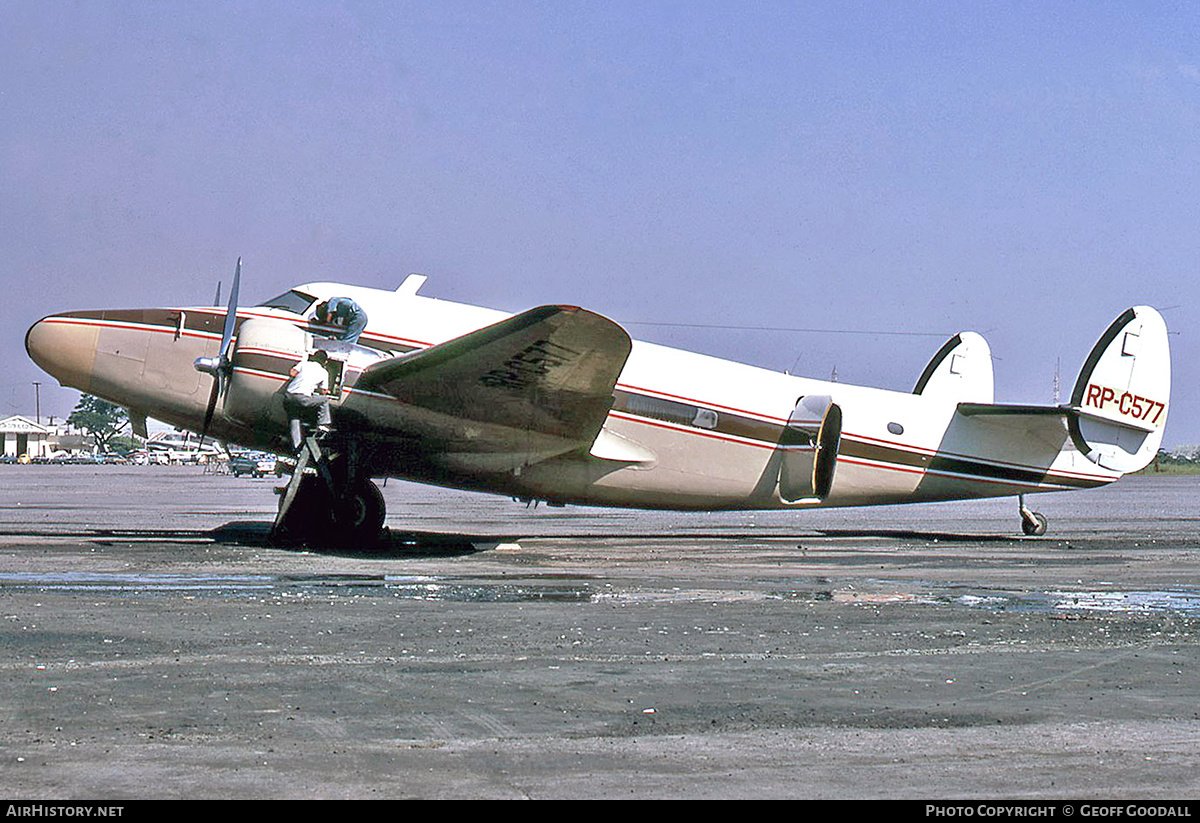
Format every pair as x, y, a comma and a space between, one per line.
294, 301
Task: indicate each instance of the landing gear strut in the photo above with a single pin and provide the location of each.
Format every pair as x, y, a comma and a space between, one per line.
327, 502
1032, 523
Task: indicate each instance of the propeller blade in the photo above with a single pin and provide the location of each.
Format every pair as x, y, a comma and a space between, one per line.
221, 366
231, 313
208, 412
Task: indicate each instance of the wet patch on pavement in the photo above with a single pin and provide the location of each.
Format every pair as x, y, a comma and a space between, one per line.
1183, 601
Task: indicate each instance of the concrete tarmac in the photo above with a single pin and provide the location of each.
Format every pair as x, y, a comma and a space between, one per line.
156, 645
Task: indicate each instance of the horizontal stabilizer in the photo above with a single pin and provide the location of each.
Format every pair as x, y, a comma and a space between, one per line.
1011, 409
1031, 433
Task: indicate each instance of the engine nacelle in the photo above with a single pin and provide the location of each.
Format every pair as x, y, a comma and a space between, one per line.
265, 351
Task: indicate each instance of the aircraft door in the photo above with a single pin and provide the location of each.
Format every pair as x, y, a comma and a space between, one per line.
120, 357
809, 449
168, 362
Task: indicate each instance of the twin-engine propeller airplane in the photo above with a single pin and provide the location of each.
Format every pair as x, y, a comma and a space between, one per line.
558, 404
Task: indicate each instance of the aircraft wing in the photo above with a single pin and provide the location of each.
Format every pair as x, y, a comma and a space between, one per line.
540, 382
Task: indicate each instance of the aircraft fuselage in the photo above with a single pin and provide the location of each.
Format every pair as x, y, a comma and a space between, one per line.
685, 431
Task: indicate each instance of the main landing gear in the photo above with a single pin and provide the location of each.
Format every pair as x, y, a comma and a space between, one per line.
327, 502
1032, 523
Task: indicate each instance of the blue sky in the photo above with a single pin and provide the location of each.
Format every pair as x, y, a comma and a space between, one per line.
1025, 170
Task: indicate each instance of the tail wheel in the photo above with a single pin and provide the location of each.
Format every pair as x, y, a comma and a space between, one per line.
1035, 525
1032, 523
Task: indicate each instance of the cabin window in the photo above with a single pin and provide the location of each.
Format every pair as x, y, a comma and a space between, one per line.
683, 414
667, 410
292, 301
895, 428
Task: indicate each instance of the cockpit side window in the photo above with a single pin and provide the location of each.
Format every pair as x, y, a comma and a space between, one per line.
294, 301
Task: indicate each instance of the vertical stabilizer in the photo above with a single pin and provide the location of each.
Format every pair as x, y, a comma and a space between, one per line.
1120, 399
960, 371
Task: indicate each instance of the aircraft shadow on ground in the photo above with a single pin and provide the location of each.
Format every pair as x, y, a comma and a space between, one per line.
408, 543
259, 535
401, 543
908, 534
390, 543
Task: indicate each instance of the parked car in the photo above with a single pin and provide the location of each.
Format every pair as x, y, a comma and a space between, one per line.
258, 464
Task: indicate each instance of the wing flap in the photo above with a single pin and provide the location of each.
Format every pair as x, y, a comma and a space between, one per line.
548, 372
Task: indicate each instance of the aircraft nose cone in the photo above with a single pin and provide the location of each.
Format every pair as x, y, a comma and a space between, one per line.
64, 348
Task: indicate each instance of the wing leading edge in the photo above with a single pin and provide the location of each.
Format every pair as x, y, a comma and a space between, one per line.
539, 383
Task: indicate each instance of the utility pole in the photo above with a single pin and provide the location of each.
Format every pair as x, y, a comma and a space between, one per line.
37, 400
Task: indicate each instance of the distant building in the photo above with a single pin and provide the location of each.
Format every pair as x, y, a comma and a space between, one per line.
20, 435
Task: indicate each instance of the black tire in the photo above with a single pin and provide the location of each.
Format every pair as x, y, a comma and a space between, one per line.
317, 518
360, 513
